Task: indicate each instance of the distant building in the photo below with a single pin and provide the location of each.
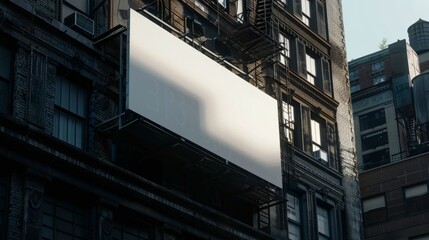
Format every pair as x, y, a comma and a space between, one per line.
382, 104
176, 120
391, 117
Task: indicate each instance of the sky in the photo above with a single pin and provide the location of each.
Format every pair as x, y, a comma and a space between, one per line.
368, 22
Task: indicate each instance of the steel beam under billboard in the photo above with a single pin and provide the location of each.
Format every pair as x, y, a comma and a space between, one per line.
181, 89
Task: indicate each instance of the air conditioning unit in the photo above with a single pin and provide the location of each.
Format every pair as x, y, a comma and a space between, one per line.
80, 23
320, 155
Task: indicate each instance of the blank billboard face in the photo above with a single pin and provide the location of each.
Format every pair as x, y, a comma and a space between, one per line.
181, 89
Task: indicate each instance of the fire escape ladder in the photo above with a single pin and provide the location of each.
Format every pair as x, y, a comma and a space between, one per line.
264, 219
263, 15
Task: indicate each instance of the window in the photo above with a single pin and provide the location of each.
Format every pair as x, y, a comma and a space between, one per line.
354, 74
289, 122
375, 159
374, 139
316, 139
313, 14
306, 12
374, 210
323, 225
284, 54
294, 217
354, 85
62, 220
321, 20
326, 77
372, 119
5, 78
315, 69
378, 80
416, 191
416, 197
311, 68
70, 111
373, 203
377, 67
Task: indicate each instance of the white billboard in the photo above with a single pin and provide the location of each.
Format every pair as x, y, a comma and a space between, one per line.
181, 89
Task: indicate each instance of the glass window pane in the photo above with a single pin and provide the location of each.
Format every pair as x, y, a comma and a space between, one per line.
71, 130
294, 232
79, 134
315, 132
69, 112
372, 119
323, 221
81, 98
293, 211
63, 126
73, 98
65, 93
416, 191
373, 203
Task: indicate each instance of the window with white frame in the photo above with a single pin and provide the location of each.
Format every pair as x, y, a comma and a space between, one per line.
316, 138
294, 217
5, 78
70, 112
311, 69
306, 11
288, 121
323, 223
284, 54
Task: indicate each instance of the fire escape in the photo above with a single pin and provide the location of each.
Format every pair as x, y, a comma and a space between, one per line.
257, 43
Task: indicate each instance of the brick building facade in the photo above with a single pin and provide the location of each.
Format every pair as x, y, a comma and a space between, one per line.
70, 170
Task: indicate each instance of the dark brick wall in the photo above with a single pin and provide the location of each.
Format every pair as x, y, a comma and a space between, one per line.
390, 180
16, 211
